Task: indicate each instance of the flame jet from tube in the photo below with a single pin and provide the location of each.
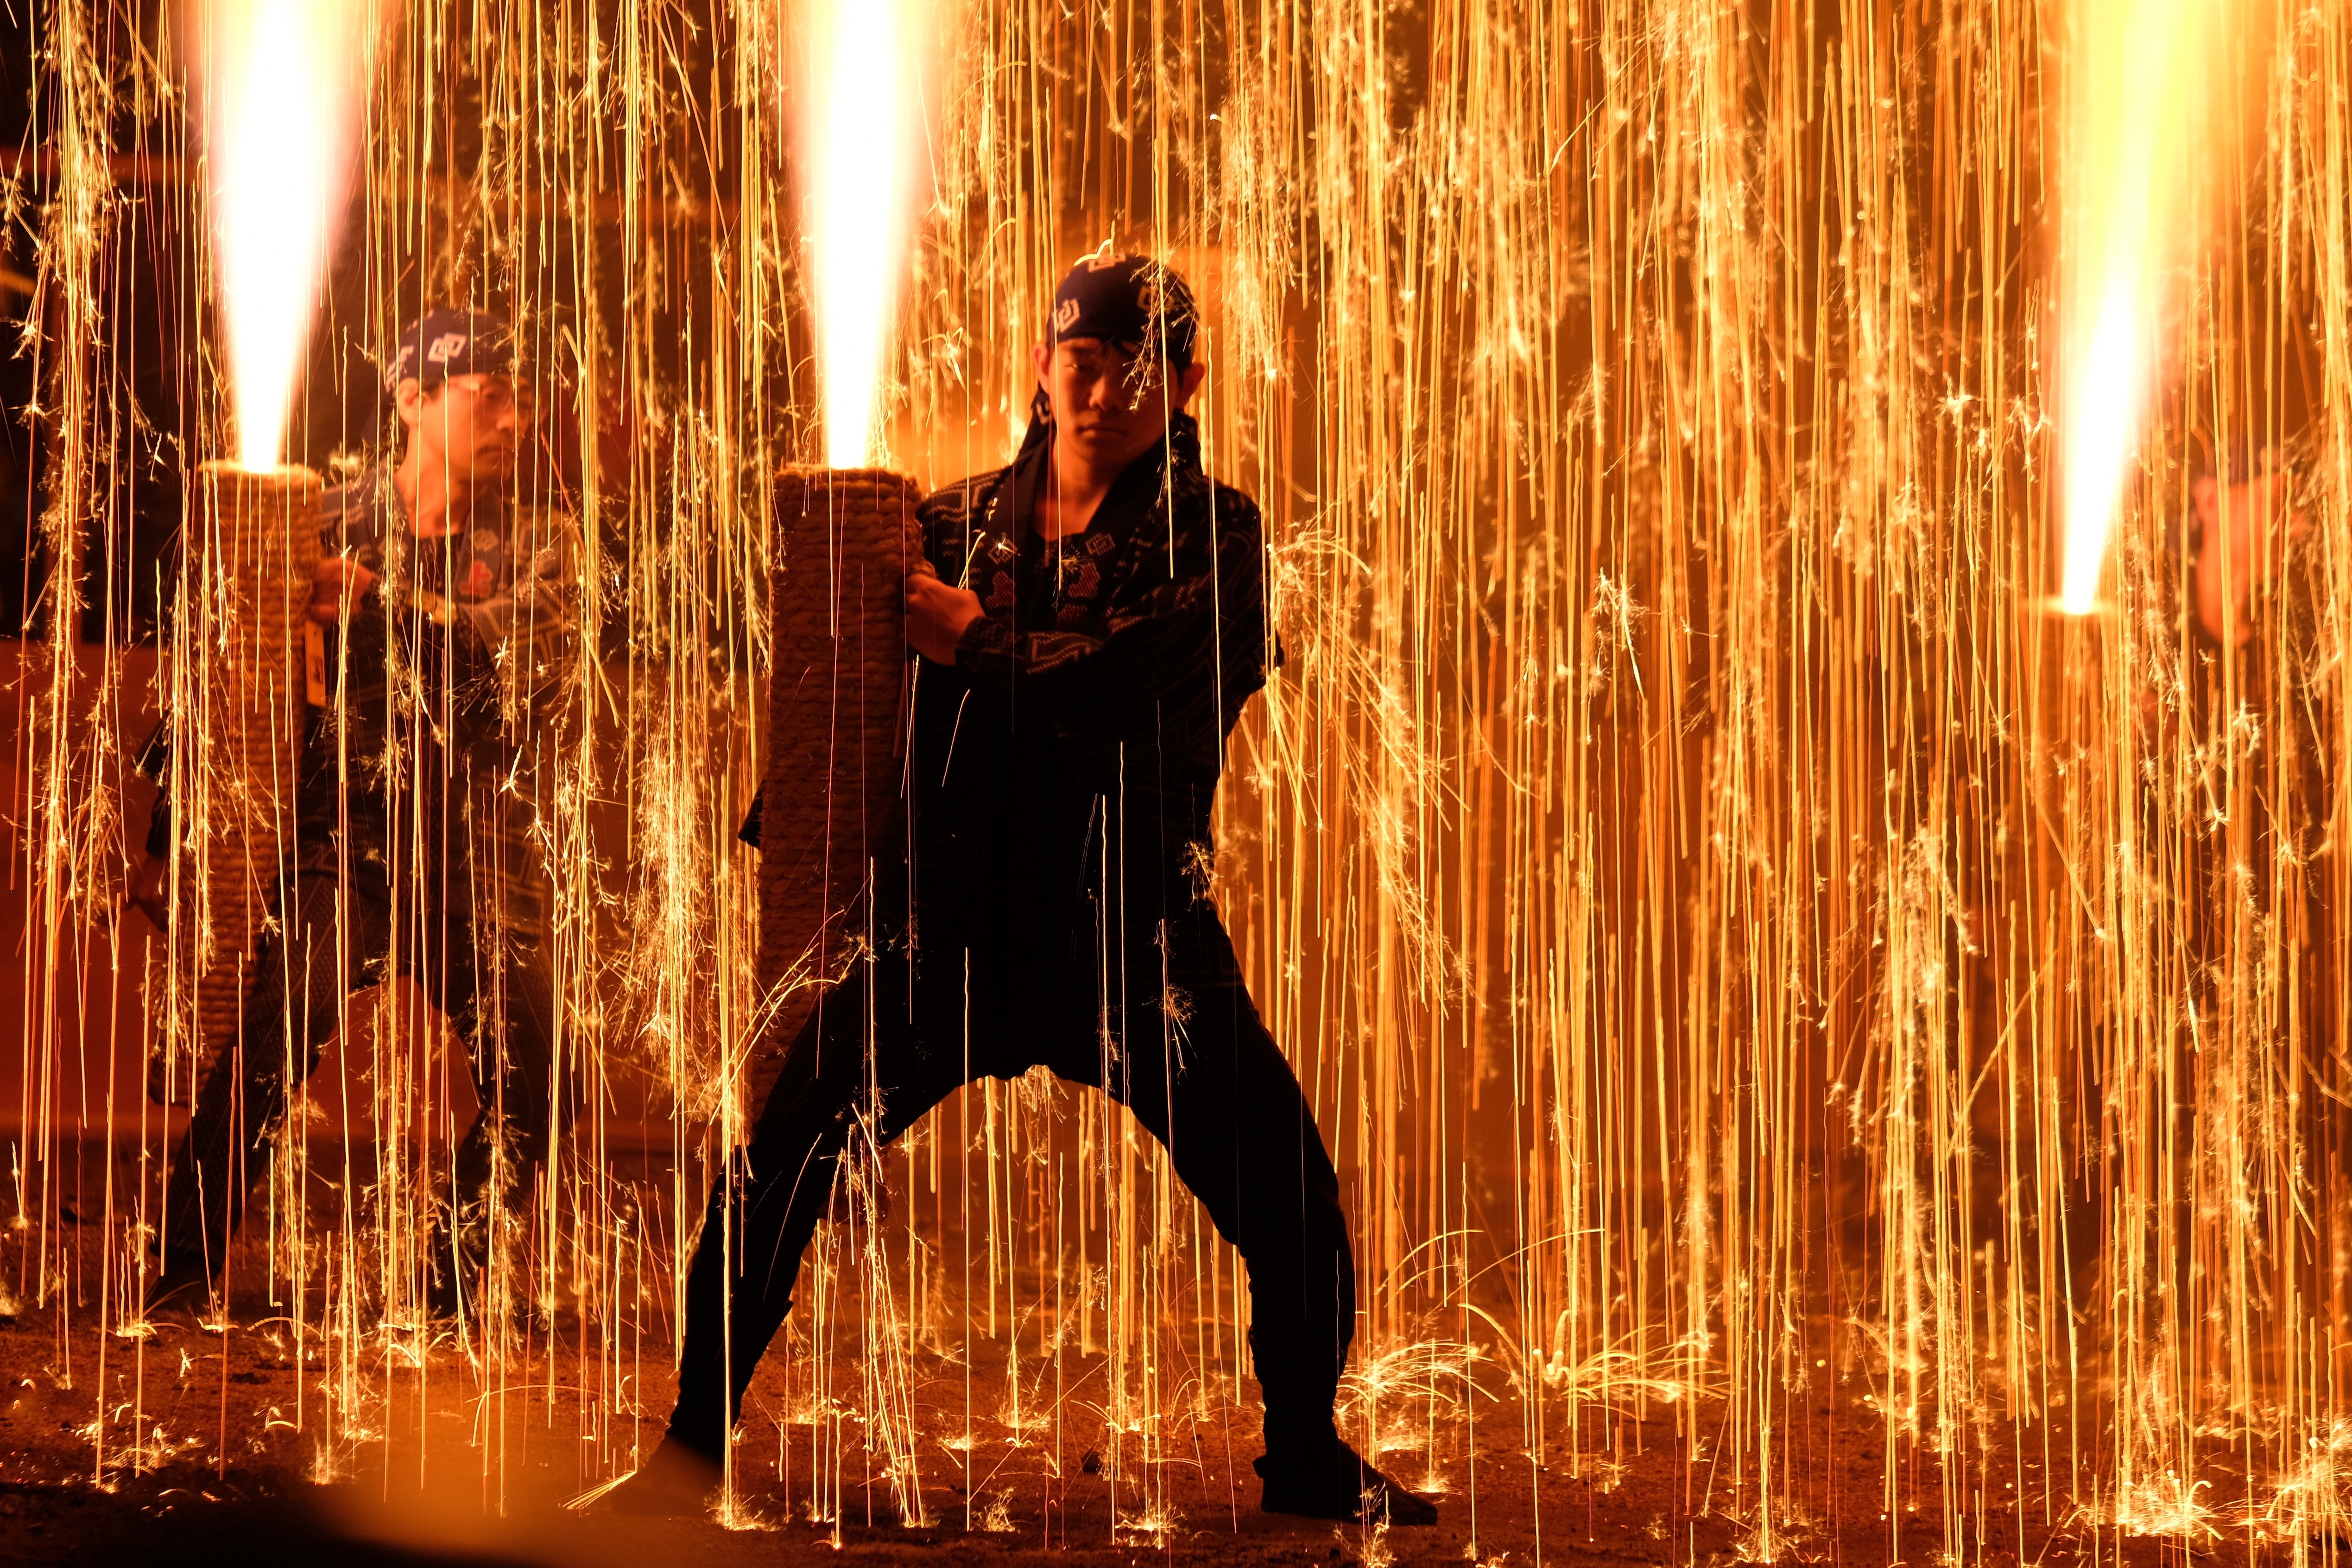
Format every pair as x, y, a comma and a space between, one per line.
2126, 175
277, 82
857, 151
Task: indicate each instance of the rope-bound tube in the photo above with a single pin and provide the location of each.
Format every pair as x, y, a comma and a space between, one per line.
253, 550
832, 806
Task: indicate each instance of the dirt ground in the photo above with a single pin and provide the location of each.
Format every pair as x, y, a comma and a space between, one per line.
242, 1445
207, 1463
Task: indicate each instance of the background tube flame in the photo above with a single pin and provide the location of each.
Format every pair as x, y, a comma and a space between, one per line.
2126, 176
277, 82
858, 139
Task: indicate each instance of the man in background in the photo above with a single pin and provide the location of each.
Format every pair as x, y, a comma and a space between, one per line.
448, 628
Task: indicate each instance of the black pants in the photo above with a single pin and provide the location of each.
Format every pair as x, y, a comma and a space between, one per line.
1142, 997
337, 935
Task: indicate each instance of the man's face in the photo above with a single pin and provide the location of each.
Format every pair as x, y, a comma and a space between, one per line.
1109, 408
471, 426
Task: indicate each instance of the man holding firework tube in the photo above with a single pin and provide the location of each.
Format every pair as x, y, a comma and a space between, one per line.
444, 623
1097, 620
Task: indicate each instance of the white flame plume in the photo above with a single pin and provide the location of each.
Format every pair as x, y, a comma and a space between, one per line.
857, 143
278, 82
2126, 166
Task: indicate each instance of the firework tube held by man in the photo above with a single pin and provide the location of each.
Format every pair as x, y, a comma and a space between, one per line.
253, 557
1090, 622
831, 808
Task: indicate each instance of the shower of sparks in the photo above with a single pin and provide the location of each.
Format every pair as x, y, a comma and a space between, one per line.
860, 116
2128, 125
1751, 982
279, 87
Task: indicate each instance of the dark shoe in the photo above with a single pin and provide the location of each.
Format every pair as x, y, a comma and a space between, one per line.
181, 1292
445, 1297
674, 1482
1334, 1483
453, 1265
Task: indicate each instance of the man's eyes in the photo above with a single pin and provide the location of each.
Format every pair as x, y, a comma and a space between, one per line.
1094, 368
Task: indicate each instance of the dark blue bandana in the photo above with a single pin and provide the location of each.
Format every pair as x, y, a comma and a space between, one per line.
1133, 301
446, 342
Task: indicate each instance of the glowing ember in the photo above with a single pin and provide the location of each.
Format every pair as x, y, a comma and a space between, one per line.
277, 82
2126, 171
857, 143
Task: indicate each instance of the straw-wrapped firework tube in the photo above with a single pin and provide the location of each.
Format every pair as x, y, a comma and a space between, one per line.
252, 544
832, 807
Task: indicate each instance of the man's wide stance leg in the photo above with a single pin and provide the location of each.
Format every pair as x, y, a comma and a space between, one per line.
331, 939
1193, 1060
1198, 1068
781, 1185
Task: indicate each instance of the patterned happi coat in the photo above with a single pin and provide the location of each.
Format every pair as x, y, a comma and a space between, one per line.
1095, 693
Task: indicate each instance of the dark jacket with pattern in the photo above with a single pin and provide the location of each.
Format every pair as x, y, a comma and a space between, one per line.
1096, 692
442, 677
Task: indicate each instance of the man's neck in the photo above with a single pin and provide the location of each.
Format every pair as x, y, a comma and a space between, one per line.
1076, 489
1073, 491
437, 505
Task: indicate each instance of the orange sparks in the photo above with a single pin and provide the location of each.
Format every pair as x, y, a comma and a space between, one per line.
2126, 172
857, 144
276, 81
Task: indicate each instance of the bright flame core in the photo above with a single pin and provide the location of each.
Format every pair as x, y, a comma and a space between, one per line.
857, 141
2127, 180
278, 82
